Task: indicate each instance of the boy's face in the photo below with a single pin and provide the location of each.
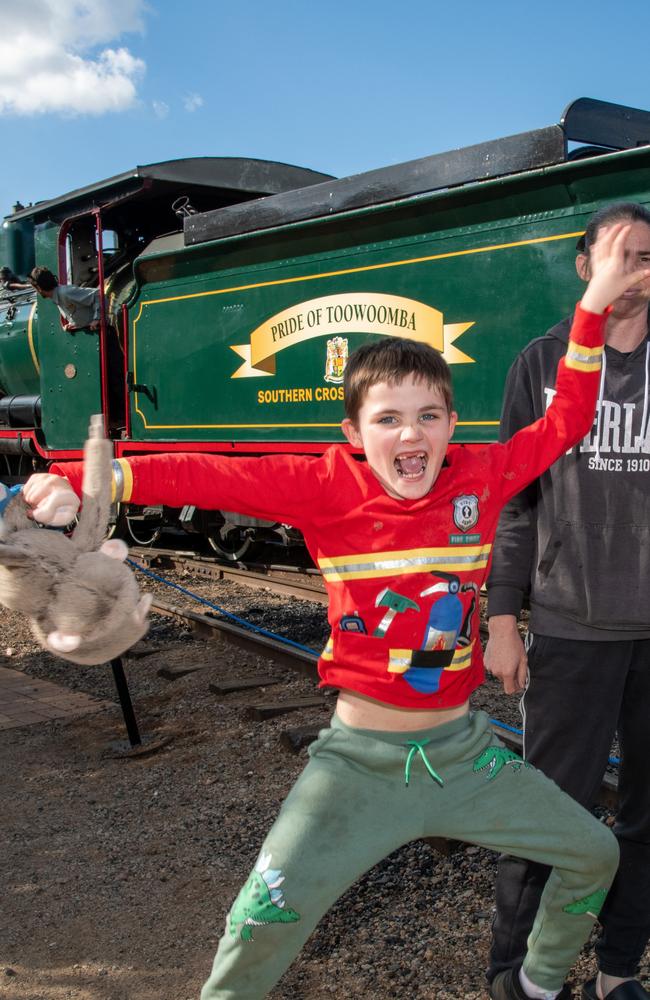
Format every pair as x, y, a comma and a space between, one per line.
404, 430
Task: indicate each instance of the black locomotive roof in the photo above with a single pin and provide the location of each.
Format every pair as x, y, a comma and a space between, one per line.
236, 178
606, 127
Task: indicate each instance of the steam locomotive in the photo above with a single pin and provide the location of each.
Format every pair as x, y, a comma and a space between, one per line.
232, 292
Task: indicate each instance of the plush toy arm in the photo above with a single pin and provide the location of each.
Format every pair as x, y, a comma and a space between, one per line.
96, 489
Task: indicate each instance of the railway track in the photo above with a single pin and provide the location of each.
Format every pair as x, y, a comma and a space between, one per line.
306, 584
302, 584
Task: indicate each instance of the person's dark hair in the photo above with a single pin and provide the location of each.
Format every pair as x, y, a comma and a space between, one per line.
42, 277
391, 360
618, 211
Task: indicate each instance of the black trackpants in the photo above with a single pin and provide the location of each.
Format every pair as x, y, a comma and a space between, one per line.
578, 695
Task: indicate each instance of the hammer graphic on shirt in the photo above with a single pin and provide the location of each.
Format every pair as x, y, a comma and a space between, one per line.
395, 604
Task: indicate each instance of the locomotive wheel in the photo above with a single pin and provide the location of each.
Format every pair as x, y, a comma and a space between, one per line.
229, 542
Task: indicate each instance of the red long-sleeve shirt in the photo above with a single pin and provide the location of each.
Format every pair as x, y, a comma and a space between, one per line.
403, 575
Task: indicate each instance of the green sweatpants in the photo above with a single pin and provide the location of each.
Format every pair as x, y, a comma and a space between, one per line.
351, 807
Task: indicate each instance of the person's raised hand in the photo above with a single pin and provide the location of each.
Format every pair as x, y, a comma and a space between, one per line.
611, 275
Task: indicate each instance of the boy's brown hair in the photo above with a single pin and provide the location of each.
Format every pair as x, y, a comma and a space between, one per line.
391, 360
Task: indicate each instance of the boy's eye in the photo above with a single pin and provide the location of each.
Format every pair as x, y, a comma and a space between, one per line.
387, 419
430, 416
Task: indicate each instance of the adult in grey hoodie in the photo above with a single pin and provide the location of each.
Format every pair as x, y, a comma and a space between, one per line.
577, 544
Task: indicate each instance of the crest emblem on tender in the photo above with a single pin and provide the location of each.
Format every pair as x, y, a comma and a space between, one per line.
337, 355
465, 511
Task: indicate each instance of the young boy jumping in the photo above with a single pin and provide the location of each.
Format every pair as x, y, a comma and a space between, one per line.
403, 540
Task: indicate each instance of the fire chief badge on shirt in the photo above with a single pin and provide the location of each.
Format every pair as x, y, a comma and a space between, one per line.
465, 511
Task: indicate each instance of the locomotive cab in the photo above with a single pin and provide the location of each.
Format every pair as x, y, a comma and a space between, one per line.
52, 380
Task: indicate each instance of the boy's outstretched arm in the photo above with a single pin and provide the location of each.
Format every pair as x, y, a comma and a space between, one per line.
279, 487
570, 416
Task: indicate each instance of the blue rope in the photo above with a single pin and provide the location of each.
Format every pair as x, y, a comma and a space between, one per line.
502, 725
222, 611
273, 635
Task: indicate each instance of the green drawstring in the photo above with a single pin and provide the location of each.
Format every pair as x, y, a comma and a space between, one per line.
419, 748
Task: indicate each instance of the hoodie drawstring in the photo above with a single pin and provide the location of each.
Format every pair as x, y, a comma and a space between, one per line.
644, 418
599, 404
418, 747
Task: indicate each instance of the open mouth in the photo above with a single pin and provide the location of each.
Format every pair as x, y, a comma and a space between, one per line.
411, 466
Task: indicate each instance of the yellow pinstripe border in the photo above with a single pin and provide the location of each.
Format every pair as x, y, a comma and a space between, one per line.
271, 427
315, 277
30, 338
358, 270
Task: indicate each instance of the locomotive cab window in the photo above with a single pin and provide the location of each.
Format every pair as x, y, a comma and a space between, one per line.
81, 266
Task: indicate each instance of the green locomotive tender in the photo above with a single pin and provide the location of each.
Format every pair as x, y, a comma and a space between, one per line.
231, 334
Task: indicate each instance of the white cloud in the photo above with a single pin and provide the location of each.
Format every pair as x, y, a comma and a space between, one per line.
192, 102
52, 59
160, 109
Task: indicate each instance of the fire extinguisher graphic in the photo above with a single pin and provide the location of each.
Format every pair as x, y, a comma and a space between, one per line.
446, 630
446, 615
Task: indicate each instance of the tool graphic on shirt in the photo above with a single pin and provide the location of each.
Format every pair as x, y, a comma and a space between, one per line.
494, 759
261, 901
396, 604
448, 628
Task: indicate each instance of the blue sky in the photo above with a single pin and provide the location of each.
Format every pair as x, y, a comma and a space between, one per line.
90, 88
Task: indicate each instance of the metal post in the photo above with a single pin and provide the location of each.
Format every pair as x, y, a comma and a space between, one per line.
126, 703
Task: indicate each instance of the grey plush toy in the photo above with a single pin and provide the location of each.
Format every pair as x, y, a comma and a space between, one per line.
82, 601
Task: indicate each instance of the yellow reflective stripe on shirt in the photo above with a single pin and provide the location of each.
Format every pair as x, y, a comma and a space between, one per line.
462, 658
328, 652
584, 359
399, 660
122, 483
366, 566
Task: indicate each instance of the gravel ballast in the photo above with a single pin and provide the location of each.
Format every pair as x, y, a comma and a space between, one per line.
118, 867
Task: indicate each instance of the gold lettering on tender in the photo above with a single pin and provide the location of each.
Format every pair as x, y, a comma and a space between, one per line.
304, 394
